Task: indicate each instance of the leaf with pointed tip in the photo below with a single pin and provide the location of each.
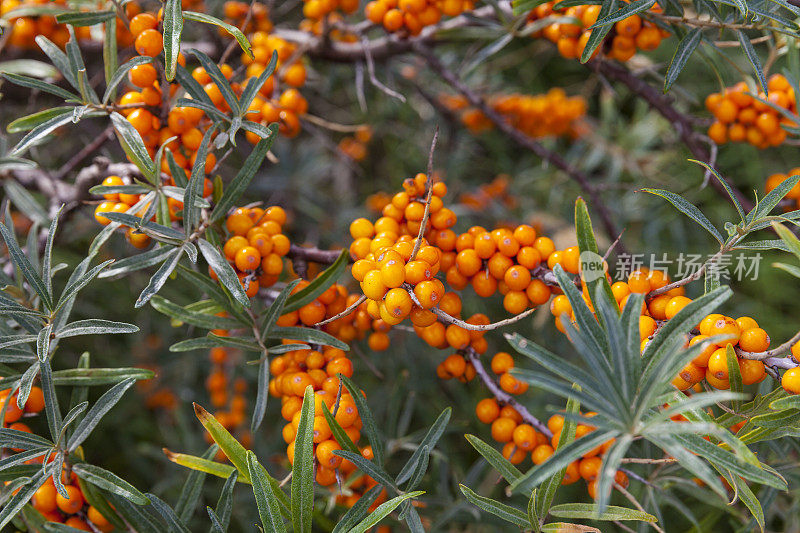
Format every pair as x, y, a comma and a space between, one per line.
506, 512
722, 181
98, 411
233, 30
217, 77
245, 175
195, 318
160, 277
23, 263
429, 441
134, 147
104, 479
683, 52
383, 510
752, 56
95, 326
173, 523
268, 506
597, 36
120, 74
302, 490
224, 271
39, 85
370, 428
200, 464
194, 189
589, 511
235, 452
320, 284
58, 58
503, 466
313, 336
172, 28
772, 198
682, 205
358, 511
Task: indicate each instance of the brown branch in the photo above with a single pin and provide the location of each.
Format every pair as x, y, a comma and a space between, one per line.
314, 255
523, 140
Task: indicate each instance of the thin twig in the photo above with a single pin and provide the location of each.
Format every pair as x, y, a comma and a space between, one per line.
449, 319
344, 313
427, 213
502, 396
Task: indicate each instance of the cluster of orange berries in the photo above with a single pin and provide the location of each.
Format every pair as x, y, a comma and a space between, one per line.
712, 363
742, 118
542, 115
272, 104
120, 203
355, 146
495, 190
73, 511
24, 30
291, 373
55, 507
502, 260
410, 16
149, 112
256, 246
627, 35
792, 198
588, 466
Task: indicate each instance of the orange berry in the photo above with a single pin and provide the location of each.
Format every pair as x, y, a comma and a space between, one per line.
149, 43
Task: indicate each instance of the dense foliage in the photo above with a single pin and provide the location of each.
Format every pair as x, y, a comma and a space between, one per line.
338, 265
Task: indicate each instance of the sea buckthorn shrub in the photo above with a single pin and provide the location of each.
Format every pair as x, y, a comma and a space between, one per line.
333, 315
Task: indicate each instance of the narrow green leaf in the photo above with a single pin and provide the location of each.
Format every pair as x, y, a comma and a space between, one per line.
268, 506
682, 205
752, 56
302, 492
172, 28
111, 482
382, 511
98, 411
160, 277
683, 52
229, 446
503, 466
134, 147
95, 326
224, 271
319, 284
245, 175
233, 30
589, 511
120, 73
506, 512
